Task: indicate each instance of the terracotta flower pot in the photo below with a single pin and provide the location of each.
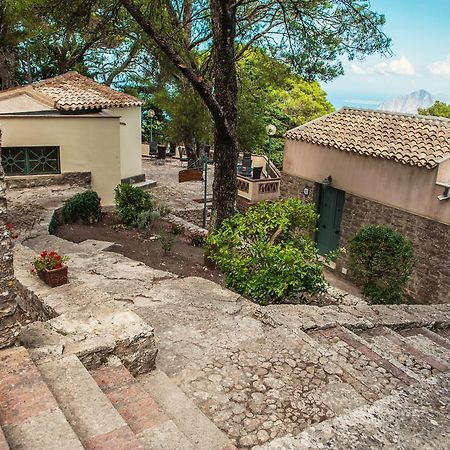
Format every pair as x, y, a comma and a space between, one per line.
54, 277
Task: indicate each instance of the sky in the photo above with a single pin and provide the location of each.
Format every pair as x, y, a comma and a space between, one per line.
420, 33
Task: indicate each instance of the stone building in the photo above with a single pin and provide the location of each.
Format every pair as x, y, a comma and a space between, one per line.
368, 167
70, 124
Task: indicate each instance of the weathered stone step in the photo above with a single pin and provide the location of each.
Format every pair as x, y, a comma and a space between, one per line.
154, 429
29, 414
184, 413
91, 415
435, 337
428, 345
407, 354
415, 417
3, 443
376, 373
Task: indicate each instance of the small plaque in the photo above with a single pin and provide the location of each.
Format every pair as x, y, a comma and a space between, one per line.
306, 191
190, 175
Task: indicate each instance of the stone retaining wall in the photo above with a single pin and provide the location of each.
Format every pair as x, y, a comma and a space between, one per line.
8, 323
82, 179
430, 280
192, 215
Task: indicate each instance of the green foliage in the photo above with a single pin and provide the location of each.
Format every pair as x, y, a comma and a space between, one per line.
176, 229
163, 210
271, 93
130, 202
380, 261
439, 109
53, 224
166, 243
146, 218
267, 253
84, 206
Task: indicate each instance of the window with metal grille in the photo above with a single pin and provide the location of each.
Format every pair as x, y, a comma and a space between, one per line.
30, 160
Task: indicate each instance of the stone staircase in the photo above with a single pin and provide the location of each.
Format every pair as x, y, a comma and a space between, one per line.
59, 404
233, 373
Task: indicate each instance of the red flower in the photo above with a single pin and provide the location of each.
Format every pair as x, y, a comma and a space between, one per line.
52, 253
10, 226
58, 257
44, 254
58, 266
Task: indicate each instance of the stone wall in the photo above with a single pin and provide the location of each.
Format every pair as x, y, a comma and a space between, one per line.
306, 190
8, 323
430, 280
82, 179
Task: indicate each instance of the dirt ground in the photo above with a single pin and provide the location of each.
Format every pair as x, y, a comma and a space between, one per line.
145, 246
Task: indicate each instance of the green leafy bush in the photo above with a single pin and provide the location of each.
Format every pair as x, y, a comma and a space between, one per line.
167, 243
130, 202
267, 253
84, 206
380, 261
146, 218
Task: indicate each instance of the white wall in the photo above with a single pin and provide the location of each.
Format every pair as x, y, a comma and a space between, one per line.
130, 140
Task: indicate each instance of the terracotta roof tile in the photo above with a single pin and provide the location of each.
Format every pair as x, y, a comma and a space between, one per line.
410, 139
72, 91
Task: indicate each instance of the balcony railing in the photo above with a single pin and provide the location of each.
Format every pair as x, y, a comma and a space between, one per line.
265, 188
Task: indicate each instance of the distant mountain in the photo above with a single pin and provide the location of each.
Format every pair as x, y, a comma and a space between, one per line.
408, 103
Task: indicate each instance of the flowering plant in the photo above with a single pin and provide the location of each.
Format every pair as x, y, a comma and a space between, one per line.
12, 232
49, 261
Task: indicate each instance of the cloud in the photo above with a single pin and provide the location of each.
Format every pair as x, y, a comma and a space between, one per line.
400, 66
441, 68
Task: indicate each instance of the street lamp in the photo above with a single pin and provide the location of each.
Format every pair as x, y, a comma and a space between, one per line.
151, 114
271, 130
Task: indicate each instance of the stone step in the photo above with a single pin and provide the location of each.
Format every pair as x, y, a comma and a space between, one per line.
428, 345
29, 413
407, 354
51, 242
91, 415
435, 337
415, 417
147, 184
153, 427
372, 372
184, 413
3, 443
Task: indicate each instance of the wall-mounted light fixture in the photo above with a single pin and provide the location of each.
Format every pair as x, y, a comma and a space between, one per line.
446, 194
326, 181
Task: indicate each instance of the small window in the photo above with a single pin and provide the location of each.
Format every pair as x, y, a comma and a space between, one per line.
30, 160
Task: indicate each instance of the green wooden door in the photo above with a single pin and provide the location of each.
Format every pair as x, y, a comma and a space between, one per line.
328, 232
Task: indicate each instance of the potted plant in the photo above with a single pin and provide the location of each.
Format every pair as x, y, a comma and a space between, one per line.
51, 269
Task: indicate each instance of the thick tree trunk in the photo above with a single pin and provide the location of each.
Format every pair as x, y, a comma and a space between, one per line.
226, 148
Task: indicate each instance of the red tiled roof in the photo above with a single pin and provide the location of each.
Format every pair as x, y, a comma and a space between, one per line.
72, 91
410, 139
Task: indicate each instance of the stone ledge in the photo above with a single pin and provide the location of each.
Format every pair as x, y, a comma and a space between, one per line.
83, 321
82, 179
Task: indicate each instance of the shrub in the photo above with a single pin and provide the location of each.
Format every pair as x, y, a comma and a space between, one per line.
84, 206
163, 210
197, 239
130, 202
146, 218
380, 261
166, 243
267, 253
176, 229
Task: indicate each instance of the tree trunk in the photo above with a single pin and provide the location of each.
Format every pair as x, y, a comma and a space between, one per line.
226, 147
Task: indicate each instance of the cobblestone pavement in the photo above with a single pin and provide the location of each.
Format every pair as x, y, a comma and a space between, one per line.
168, 190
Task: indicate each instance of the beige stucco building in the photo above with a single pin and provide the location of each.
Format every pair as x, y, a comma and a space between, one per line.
362, 167
72, 124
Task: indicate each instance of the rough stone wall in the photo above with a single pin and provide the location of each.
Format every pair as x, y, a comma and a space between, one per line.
430, 280
8, 323
82, 179
294, 187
